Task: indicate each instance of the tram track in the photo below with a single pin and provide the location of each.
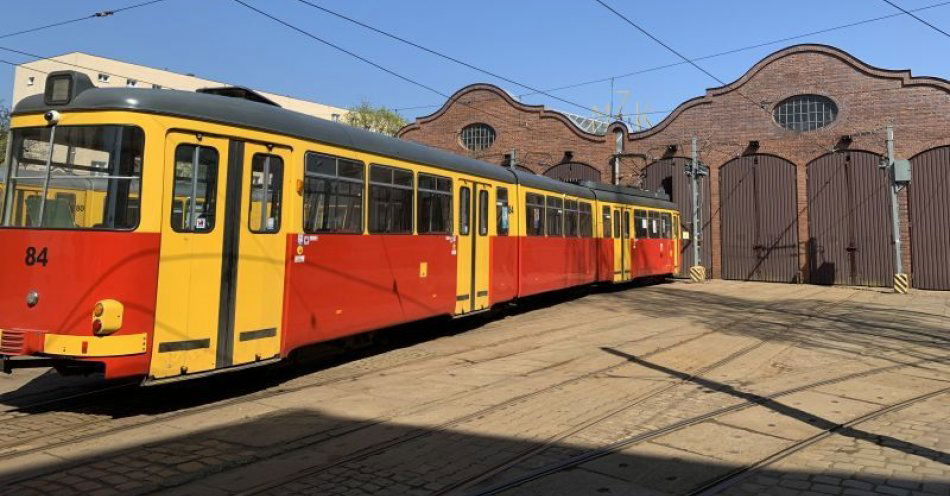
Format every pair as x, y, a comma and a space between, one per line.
631, 404
726, 481
719, 483
755, 308
318, 438
480, 413
649, 395
68, 422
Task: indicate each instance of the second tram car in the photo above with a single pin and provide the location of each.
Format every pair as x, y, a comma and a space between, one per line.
165, 234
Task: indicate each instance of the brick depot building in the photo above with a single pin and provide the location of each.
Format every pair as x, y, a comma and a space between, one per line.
794, 192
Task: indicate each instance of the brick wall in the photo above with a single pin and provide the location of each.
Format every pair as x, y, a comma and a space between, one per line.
724, 120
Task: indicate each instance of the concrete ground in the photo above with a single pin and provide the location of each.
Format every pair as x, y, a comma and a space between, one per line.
718, 388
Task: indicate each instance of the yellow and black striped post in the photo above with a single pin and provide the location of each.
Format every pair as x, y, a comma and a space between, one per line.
901, 283
697, 273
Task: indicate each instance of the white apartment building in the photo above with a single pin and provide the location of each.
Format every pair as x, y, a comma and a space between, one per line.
30, 78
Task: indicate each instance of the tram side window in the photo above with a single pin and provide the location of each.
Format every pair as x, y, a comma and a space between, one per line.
666, 220
434, 205
641, 224
586, 220
390, 200
534, 214
483, 213
333, 194
195, 192
570, 218
606, 215
501, 211
465, 210
267, 181
654, 218
555, 210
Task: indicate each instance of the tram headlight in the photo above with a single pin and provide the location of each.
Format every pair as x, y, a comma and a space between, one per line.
52, 117
107, 317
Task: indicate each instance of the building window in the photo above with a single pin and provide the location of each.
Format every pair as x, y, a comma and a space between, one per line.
335, 117
805, 112
103, 78
131, 83
156, 86
30, 81
477, 137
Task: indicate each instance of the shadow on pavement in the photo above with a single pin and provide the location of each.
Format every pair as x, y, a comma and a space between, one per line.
395, 459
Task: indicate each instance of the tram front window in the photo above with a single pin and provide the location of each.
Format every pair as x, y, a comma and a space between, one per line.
73, 177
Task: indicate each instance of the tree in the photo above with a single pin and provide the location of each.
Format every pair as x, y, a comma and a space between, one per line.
4, 129
378, 119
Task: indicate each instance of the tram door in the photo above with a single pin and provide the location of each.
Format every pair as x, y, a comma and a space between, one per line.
220, 287
629, 269
621, 248
474, 201
675, 243
257, 301
187, 317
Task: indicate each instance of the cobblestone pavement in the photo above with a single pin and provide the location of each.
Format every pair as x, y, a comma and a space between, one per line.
647, 390
906, 455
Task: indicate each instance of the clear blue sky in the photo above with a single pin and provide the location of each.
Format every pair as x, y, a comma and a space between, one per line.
544, 44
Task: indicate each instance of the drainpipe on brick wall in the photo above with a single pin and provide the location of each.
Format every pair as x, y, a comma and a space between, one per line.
618, 149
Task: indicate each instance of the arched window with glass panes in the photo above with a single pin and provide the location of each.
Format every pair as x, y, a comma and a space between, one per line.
805, 112
477, 137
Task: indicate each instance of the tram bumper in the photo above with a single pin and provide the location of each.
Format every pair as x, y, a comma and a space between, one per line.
21, 348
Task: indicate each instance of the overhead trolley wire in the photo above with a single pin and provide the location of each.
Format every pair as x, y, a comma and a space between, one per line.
366, 60
935, 28
748, 47
726, 52
449, 57
95, 15
760, 105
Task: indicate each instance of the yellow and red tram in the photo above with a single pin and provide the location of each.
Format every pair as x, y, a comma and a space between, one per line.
166, 234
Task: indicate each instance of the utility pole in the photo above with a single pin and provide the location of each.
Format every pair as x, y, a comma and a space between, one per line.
898, 172
697, 272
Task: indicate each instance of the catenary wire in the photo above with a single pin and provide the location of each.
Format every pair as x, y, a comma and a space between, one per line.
448, 57
935, 28
723, 53
368, 61
745, 48
95, 15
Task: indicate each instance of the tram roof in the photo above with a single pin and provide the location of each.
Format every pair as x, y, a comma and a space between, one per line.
270, 118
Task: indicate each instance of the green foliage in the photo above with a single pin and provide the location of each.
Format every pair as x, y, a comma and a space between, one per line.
378, 119
4, 129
